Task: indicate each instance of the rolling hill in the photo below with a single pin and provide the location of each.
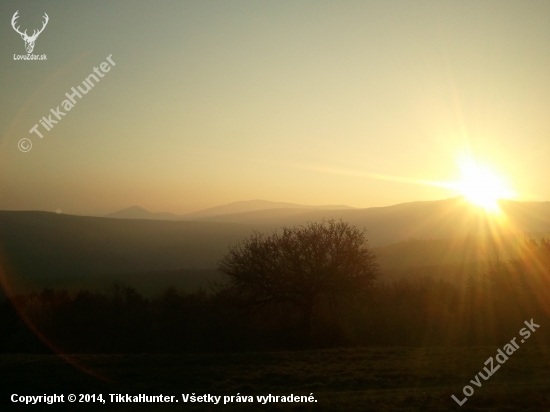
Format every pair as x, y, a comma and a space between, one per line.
449, 218
42, 246
137, 212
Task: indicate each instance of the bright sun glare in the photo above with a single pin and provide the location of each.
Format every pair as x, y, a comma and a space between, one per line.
482, 187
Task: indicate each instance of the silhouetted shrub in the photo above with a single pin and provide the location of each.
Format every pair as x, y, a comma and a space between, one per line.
487, 310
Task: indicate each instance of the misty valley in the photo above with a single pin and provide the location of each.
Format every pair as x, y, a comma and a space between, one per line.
444, 284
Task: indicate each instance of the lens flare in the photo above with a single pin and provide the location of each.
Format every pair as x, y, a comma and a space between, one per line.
482, 187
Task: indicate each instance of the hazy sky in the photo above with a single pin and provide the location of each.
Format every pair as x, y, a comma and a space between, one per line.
313, 102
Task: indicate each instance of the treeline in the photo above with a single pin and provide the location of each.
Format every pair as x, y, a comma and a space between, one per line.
488, 310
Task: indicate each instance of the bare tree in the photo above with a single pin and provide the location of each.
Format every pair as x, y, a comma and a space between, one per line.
301, 265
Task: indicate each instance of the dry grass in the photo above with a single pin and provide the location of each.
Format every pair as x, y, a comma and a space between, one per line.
361, 379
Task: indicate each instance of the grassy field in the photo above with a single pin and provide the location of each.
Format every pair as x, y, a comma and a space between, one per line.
361, 379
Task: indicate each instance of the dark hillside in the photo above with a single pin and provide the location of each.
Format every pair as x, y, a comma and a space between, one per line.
40, 245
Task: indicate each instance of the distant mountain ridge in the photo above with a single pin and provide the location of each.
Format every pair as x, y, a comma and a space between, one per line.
256, 205
137, 212
439, 219
40, 246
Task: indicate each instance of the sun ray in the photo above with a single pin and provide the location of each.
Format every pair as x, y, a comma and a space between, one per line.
479, 185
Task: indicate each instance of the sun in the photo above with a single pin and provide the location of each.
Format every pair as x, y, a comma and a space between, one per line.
482, 187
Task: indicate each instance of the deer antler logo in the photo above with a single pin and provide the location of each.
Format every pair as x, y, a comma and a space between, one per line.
29, 40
